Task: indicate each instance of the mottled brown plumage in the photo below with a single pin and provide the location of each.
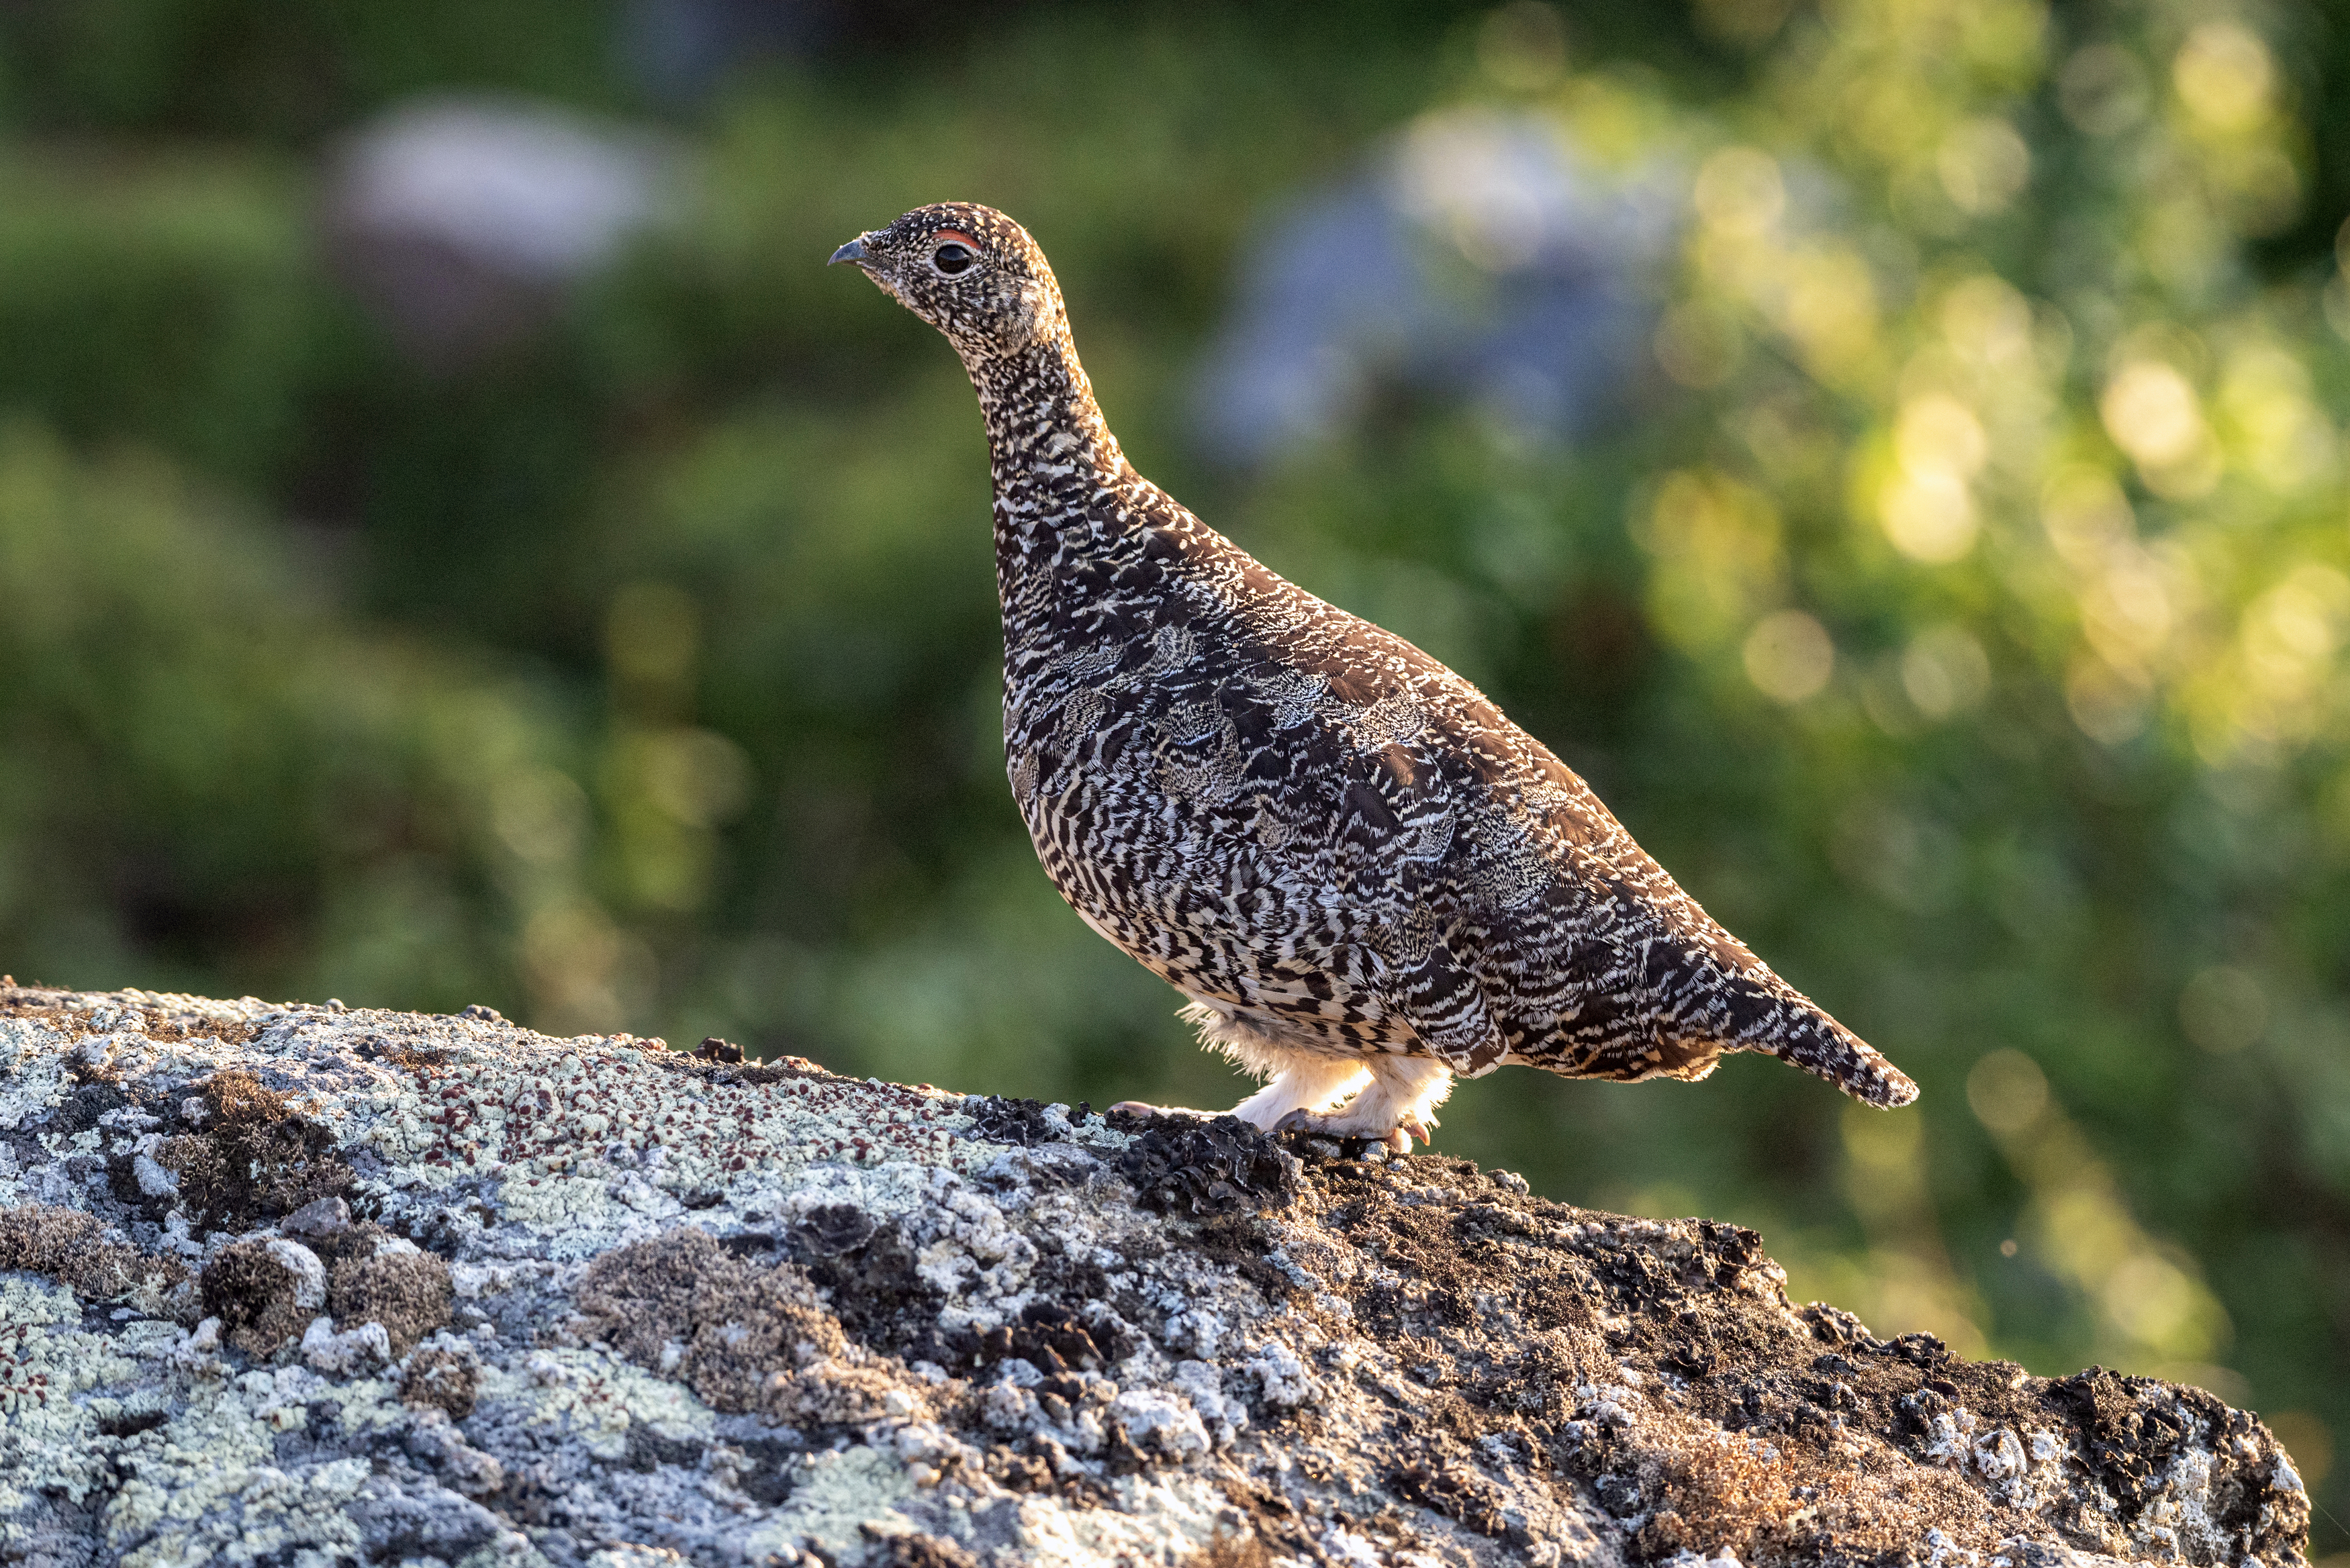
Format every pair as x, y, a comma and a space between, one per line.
1365, 878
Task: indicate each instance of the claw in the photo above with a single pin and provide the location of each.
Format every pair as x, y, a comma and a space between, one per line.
1398, 1138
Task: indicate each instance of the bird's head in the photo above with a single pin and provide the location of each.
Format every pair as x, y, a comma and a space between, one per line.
967, 270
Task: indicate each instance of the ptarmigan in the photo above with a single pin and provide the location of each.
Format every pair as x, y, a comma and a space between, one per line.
1365, 878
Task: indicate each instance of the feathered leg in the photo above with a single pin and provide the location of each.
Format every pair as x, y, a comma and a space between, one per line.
1393, 1109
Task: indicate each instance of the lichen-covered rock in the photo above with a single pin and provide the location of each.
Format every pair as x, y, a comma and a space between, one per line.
305, 1285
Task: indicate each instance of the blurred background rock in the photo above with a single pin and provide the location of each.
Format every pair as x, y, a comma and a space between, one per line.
458, 544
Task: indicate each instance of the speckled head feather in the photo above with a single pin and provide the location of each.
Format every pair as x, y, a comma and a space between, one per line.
971, 272
1364, 878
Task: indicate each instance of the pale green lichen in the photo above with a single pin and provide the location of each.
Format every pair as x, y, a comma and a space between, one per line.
190, 1466
596, 1396
837, 1495
1157, 1520
32, 1071
275, 1512
49, 1428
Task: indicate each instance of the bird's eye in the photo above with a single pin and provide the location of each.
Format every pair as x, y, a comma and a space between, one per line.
953, 257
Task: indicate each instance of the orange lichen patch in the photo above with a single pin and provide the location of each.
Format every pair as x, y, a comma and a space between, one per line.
1233, 1552
406, 1291
441, 1379
257, 1158
1767, 1502
71, 1248
754, 1338
263, 1292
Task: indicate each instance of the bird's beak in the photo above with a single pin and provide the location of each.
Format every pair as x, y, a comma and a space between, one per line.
854, 251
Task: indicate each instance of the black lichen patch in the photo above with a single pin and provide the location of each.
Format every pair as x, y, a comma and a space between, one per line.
83, 1105
261, 1300
775, 1070
257, 1158
441, 1379
1459, 1493
866, 1268
409, 1293
835, 1229
1244, 1244
2132, 1428
71, 1247
1053, 1339
131, 1423
648, 1451
1182, 1165
999, 1119
746, 1337
772, 1474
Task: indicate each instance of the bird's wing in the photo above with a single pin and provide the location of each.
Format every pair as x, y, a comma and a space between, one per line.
1520, 916
1583, 948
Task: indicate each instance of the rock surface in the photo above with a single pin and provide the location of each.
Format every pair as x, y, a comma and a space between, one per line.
295, 1285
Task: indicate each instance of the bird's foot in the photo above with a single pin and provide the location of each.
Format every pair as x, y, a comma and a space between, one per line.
1397, 1139
1144, 1108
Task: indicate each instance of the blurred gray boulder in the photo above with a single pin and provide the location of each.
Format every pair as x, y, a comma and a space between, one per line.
463, 223
1479, 256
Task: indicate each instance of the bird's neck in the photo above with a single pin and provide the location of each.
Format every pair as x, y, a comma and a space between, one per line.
1054, 461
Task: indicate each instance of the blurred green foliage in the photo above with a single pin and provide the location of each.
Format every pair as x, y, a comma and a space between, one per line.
1958, 609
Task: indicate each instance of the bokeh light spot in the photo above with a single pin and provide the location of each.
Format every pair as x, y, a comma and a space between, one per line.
541, 814
1789, 656
2109, 705
1945, 671
2152, 414
1739, 190
2007, 1091
1983, 164
2224, 1010
2085, 514
2156, 1303
1988, 321
1929, 516
2224, 76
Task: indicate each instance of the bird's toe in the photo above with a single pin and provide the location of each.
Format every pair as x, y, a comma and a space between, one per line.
1144, 1109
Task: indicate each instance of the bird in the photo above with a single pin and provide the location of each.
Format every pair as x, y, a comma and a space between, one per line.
1365, 880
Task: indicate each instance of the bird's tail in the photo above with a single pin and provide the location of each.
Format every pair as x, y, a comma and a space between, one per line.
1791, 1027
